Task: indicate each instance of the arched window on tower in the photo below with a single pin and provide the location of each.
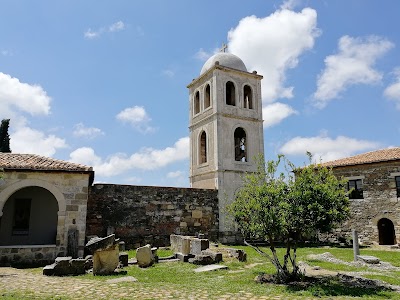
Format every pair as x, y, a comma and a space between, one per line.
230, 93
203, 148
247, 97
207, 97
240, 145
197, 102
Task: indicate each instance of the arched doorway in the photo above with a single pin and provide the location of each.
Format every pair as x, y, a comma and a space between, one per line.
29, 218
386, 232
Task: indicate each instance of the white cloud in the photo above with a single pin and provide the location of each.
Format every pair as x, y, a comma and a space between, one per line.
169, 73
276, 112
115, 27
90, 34
28, 140
273, 45
203, 55
86, 156
80, 130
352, 65
19, 96
137, 117
146, 159
393, 91
6, 52
327, 148
176, 174
133, 180
290, 4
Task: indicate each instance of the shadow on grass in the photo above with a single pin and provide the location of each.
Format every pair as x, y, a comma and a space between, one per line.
341, 286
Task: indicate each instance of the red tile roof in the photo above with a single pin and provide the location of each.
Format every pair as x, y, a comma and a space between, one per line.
13, 161
382, 155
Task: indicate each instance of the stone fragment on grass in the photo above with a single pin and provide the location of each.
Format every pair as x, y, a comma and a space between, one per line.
210, 268
144, 256
368, 259
106, 261
123, 258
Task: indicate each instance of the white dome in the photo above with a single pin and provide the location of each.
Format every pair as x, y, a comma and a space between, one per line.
225, 59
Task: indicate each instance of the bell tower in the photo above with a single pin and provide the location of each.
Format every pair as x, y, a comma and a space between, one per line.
226, 130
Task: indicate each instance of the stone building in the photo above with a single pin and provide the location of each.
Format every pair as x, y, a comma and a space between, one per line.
48, 207
375, 200
226, 130
43, 205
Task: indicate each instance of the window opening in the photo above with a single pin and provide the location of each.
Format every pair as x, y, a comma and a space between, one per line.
240, 145
22, 213
207, 99
197, 102
203, 148
397, 178
248, 97
230, 93
357, 186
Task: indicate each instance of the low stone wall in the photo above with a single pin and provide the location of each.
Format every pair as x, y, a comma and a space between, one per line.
141, 215
32, 255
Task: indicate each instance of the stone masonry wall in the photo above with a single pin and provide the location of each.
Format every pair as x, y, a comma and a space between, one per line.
380, 200
22, 256
70, 190
144, 214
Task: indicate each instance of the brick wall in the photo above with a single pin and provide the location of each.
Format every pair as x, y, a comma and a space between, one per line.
144, 214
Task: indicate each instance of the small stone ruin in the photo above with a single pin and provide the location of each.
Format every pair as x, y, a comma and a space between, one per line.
146, 256
105, 259
105, 254
197, 250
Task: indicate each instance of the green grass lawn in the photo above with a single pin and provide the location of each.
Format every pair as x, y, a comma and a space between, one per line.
240, 276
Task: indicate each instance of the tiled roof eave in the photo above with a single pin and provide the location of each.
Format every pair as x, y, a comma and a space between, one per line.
359, 163
46, 170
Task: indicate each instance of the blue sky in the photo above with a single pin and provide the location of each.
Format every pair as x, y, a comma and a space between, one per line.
104, 82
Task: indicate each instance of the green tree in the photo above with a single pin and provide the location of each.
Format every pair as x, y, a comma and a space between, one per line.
286, 207
4, 137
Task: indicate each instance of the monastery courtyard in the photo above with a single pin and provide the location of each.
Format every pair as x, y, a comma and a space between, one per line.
33, 285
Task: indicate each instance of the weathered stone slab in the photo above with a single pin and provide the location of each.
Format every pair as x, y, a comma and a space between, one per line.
182, 257
181, 243
216, 256
49, 270
202, 259
210, 268
100, 244
185, 245
106, 261
144, 256
198, 245
122, 279
368, 259
64, 266
78, 266
240, 254
123, 258
175, 241
169, 260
